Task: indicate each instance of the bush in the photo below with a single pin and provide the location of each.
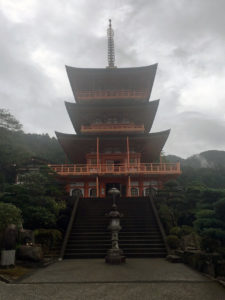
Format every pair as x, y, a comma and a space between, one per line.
9, 214
219, 207
39, 198
38, 217
166, 216
186, 217
48, 238
185, 230
175, 231
205, 214
173, 241
209, 244
215, 233
213, 239
181, 231
202, 224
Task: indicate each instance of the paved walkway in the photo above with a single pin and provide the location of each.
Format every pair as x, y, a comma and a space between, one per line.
92, 279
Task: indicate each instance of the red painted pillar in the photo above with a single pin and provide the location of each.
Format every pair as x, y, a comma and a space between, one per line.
97, 152
128, 187
86, 189
97, 187
128, 152
102, 190
68, 188
141, 188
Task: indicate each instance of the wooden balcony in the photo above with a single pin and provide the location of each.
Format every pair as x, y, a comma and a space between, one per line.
138, 169
111, 94
112, 128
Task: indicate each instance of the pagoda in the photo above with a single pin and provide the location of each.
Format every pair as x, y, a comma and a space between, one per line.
112, 117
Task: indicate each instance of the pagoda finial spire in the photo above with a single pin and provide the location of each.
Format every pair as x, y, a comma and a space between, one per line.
111, 51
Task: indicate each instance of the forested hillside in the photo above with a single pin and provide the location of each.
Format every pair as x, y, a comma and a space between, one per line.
206, 168
213, 159
17, 147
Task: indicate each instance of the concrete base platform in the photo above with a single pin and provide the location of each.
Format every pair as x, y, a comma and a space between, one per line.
93, 279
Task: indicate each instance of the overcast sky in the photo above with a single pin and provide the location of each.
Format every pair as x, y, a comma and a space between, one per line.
186, 37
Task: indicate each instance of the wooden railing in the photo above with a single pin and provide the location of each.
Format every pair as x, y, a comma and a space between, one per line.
111, 94
148, 168
112, 127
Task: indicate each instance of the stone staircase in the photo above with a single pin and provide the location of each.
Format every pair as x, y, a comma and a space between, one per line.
140, 235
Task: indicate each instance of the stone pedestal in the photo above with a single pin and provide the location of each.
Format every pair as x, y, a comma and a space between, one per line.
115, 256
30, 253
8, 257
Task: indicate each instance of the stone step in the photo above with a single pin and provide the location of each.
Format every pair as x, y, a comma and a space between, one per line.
104, 227
142, 251
103, 254
108, 240
73, 247
139, 237
122, 235
103, 220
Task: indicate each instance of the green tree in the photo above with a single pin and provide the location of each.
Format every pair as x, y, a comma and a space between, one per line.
39, 198
219, 207
8, 121
9, 214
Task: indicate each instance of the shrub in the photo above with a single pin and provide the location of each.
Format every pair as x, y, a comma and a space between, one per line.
185, 230
219, 207
9, 214
205, 213
175, 231
202, 224
48, 238
213, 239
185, 217
181, 231
39, 199
209, 244
38, 217
215, 233
173, 241
166, 215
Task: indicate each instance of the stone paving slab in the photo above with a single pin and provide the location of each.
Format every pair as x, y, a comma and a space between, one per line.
150, 279
96, 270
109, 291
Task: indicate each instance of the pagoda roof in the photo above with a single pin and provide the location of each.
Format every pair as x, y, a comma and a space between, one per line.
112, 79
77, 146
82, 114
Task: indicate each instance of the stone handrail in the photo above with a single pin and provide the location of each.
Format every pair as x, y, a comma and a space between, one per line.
161, 228
69, 227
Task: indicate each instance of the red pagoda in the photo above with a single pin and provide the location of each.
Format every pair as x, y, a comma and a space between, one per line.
113, 146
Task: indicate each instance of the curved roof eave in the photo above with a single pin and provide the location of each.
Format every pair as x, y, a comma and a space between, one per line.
73, 136
81, 113
99, 69
76, 147
105, 78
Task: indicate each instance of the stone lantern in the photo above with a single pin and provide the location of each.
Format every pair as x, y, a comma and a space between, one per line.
115, 254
